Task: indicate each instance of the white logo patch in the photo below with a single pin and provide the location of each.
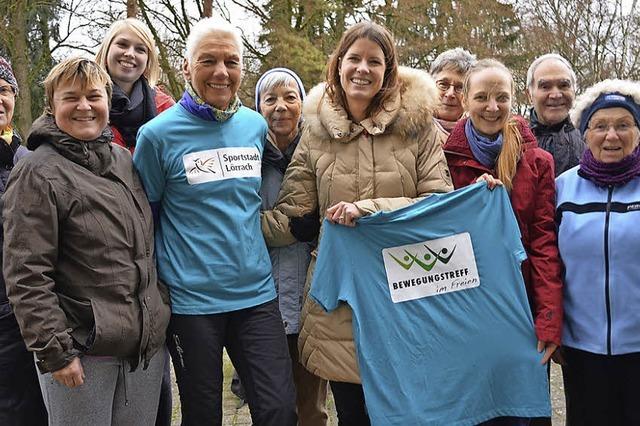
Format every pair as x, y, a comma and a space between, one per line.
431, 268
222, 163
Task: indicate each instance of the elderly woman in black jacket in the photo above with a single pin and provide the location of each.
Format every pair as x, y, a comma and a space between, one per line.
20, 398
79, 260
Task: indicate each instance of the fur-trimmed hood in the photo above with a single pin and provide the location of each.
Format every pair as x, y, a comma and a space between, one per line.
584, 101
410, 113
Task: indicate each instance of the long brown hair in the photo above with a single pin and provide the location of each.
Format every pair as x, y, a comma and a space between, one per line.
511, 151
383, 38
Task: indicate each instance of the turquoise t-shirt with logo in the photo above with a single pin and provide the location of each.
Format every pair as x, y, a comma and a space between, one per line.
441, 321
205, 175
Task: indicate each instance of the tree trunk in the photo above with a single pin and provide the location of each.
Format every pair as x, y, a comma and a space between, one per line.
207, 8
132, 8
175, 84
19, 52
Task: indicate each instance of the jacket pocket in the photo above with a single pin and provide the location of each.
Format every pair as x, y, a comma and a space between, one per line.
80, 319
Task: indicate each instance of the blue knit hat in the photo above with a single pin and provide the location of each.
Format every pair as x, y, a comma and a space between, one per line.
610, 100
276, 70
6, 73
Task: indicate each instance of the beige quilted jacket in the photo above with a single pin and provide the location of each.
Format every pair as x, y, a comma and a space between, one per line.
383, 163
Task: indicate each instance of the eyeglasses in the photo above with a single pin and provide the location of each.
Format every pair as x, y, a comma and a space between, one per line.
6, 91
621, 128
445, 84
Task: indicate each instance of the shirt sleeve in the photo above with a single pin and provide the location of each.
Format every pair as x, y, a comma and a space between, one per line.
333, 275
148, 163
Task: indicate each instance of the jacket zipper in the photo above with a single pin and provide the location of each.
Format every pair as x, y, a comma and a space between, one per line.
606, 267
373, 161
130, 196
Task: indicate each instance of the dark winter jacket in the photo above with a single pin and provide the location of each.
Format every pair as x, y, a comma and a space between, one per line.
562, 141
162, 103
533, 201
9, 156
79, 253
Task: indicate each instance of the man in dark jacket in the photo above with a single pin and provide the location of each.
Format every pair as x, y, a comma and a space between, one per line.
20, 397
551, 87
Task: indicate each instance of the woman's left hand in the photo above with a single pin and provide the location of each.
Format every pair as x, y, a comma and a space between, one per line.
549, 348
343, 213
492, 182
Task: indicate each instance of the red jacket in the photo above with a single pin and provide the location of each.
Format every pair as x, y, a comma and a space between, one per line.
163, 102
533, 200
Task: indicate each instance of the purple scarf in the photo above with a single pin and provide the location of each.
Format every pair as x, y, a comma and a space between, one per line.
605, 174
196, 106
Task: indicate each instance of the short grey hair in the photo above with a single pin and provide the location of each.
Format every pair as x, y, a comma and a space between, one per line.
278, 79
457, 59
208, 27
547, 57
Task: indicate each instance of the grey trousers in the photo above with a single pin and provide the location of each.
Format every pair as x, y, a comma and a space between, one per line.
110, 395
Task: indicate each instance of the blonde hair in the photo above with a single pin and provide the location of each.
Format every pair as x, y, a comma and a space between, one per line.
152, 70
511, 151
72, 69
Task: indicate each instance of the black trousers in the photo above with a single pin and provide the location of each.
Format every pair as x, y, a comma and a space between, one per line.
601, 389
20, 397
257, 345
350, 405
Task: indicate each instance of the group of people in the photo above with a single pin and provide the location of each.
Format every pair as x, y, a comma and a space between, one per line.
136, 227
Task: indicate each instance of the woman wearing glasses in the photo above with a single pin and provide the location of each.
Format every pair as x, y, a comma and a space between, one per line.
448, 70
598, 210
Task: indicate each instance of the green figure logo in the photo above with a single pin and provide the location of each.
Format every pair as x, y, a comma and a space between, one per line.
410, 259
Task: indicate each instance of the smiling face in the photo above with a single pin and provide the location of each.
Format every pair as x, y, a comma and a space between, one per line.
215, 70
612, 134
552, 92
81, 112
488, 100
7, 103
449, 84
362, 73
127, 59
281, 107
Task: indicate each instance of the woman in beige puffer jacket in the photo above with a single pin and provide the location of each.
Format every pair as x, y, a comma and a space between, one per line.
355, 158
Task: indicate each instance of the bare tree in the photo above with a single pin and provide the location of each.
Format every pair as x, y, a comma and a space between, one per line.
600, 38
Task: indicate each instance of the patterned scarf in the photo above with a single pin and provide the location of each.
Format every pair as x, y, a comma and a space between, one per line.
484, 150
198, 107
605, 174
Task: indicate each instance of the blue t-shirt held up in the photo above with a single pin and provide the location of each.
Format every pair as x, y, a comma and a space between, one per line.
206, 177
441, 321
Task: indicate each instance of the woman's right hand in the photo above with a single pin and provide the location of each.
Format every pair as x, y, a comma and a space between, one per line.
72, 375
343, 213
492, 182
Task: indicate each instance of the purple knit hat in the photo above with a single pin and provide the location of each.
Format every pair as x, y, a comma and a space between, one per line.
6, 73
